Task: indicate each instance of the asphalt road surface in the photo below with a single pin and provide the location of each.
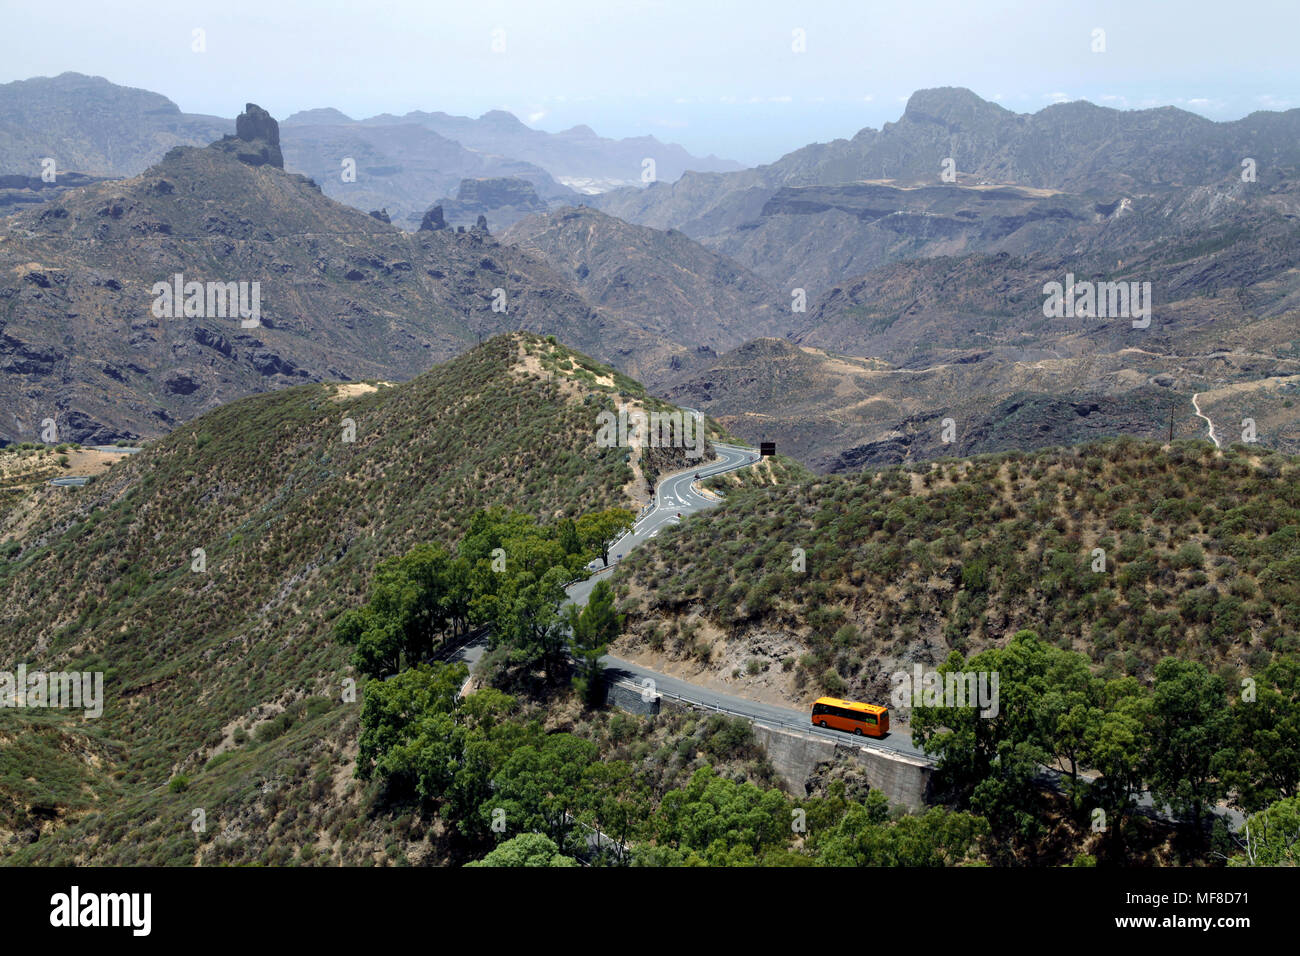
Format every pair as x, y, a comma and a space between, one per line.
898, 740
675, 500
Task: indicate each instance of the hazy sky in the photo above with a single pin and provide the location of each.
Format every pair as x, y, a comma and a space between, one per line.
716, 76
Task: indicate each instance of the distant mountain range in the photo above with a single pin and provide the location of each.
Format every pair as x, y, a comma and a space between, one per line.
342, 295
782, 221
97, 128
577, 157
871, 372
844, 310
403, 169
916, 299
1071, 147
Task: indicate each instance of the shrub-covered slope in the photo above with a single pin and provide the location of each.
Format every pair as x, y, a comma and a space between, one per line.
902, 566
234, 668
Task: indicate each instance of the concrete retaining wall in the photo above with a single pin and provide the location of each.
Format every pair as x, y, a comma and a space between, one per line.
795, 756
902, 779
628, 697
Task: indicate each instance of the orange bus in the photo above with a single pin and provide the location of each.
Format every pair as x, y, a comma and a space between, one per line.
870, 720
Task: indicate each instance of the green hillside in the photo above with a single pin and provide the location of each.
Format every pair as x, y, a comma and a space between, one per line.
234, 666
1202, 561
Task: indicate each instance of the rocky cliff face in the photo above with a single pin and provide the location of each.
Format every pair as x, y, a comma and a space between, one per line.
811, 237
691, 300
257, 138
498, 201
433, 220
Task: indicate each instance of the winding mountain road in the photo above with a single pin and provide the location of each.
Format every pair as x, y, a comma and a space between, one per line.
676, 498
1197, 408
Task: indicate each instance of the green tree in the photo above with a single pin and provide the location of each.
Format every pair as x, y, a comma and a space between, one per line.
726, 823
616, 803
517, 574
457, 595
415, 599
528, 622
377, 641
408, 733
991, 762
1118, 750
1189, 726
568, 535
1263, 765
491, 736
1270, 837
1072, 713
591, 630
540, 785
599, 529
938, 837
527, 849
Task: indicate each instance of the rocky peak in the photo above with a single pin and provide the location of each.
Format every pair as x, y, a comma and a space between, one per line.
433, 220
256, 123
257, 138
952, 106
502, 120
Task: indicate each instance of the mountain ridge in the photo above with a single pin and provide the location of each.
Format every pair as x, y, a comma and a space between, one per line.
292, 513
343, 295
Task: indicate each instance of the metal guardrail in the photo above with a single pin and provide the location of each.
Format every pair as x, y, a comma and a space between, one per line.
1046, 776
863, 743
449, 649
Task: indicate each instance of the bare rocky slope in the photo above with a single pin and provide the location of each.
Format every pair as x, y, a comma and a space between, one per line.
661, 282
342, 295
1020, 181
